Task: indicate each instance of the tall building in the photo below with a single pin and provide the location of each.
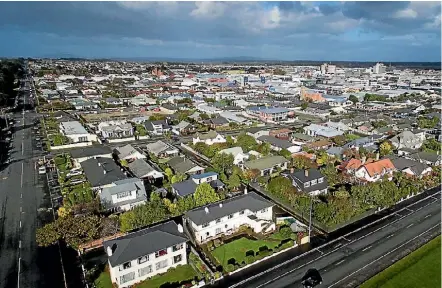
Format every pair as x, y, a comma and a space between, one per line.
328, 69
379, 68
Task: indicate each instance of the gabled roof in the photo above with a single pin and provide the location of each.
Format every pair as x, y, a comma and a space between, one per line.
250, 201
144, 242
185, 188
209, 135
140, 168
125, 185
101, 171
233, 151
284, 144
181, 164
126, 151
90, 151
265, 162
378, 167
402, 163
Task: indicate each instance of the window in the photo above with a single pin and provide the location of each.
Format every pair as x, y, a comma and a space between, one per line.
177, 247
128, 277
125, 266
306, 184
230, 216
218, 220
82, 139
143, 259
145, 271
263, 210
320, 180
241, 213
123, 194
160, 253
208, 179
177, 259
206, 225
218, 231
313, 182
161, 264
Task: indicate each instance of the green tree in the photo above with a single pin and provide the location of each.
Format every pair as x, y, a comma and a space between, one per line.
264, 149
301, 162
246, 142
234, 182
281, 186
229, 141
143, 215
169, 173
222, 162
178, 178
379, 124
353, 99
339, 140
205, 194
385, 148
331, 174
304, 106
431, 145
285, 153
322, 157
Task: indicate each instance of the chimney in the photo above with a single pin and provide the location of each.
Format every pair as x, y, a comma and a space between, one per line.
363, 160
245, 190
292, 170
99, 164
377, 156
109, 251
306, 172
180, 228
220, 205
207, 210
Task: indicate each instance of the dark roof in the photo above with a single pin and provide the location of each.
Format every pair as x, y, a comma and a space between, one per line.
144, 242
251, 201
90, 151
403, 163
95, 169
185, 188
300, 178
219, 120
284, 144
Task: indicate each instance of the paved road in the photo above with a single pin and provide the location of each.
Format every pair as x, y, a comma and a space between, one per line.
352, 259
23, 208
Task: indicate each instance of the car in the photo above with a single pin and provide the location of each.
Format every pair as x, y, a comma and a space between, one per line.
42, 170
311, 278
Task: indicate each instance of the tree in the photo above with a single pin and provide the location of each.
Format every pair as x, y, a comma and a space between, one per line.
302, 162
379, 124
234, 182
322, 157
229, 141
330, 173
385, 148
264, 149
109, 226
281, 187
222, 162
431, 145
169, 173
353, 99
304, 106
246, 142
204, 116
205, 194
251, 174
285, 153
341, 193
178, 178
339, 140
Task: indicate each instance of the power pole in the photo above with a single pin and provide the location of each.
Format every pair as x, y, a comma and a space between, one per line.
310, 220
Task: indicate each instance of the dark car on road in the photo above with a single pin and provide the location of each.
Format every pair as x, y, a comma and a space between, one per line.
311, 279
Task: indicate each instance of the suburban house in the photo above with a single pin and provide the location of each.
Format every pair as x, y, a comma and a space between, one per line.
376, 170
407, 139
189, 186
102, 172
238, 155
337, 125
123, 195
157, 127
209, 138
309, 181
85, 153
141, 169
256, 132
162, 150
284, 134
82, 104
115, 129
411, 167
128, 153
217, 122
318, 145
267, 165
113, 101
315, 130
76, 132
279, 144
183, 128
183, 165
225, 217
363, 142
426, 157
140, 255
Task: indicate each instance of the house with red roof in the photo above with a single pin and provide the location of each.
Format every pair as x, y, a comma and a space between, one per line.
376, 170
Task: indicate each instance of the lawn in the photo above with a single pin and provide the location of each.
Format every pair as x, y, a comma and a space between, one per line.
237, 249
419, 269
351, 137
174, 275
103, 281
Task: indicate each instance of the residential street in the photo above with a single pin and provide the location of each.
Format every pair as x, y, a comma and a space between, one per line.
23, 208
353, 258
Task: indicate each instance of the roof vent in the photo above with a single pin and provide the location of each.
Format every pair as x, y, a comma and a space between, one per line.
104, 171
207, 210
306, 173
220, 205
245, 190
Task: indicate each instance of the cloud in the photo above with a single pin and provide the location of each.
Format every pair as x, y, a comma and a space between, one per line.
278, 30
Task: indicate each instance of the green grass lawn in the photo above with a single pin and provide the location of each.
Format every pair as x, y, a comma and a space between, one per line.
237, 249
419, 269
104, 280
178, 274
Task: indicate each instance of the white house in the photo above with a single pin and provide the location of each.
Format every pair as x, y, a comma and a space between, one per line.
123, 195
209, 138
407, 139
238, 155
140, 255
76, 132
226, 217
128, 152
375, 171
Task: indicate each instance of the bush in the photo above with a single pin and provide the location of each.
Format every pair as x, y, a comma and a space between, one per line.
263, 249
250, 253
285, 232
210, 245
231, 261
217, 243
250, 259
230, 268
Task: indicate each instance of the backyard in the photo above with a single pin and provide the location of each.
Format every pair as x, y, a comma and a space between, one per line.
419, 269
244, 249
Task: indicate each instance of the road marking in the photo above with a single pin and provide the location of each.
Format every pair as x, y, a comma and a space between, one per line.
22, 147
21, 177
427, 216
366, 248
388, 253
410, 225
21, 195
339, 245
340, 262
322, 253
19, 244
406, 208
20, 223
346, 239
21, 209
389, 236
18, 276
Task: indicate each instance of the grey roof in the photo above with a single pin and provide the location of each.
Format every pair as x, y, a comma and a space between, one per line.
158, 147
140, 168
303, 137
219, 120
119, 127
335, 151
125, 151
251, 201
284, 144
300, 178
182, 125
73, 128
105, 174
90, 151
362, 141
403, 163
144, 242
181, 164
185, 188
130, 184
265, 162
209, 135
427, 156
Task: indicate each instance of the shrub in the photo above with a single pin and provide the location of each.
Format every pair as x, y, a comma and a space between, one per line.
231, 261
217, 243
250, 253
217, 275
285, 232
250, 259
263, 248
210, 245
230, 268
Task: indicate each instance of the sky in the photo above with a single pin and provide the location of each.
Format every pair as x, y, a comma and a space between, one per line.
320, 31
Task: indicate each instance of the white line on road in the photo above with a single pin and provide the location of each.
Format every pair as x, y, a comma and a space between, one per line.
410, 225
322, 253
22, 148
406, 208
389, 236
366, 248
340, 262
427, 216
339, 245
388, 253
18, 276
21, 177
21, 195
20, 223
21, 209
346, 239
19, 244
